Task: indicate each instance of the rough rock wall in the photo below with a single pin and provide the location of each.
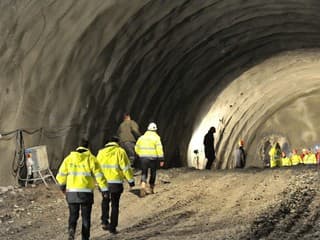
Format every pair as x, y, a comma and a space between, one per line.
70, 68
46, 56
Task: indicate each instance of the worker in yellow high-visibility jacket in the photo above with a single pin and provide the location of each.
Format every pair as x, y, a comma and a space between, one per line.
76, 177
310, 157
295, 157
115, 166
285, 161
275, 155
150, 151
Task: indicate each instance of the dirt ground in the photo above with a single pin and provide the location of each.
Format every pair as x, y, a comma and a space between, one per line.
188, 204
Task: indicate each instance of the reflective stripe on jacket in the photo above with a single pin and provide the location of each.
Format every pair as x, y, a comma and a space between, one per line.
149, 145
78, 172
115, 163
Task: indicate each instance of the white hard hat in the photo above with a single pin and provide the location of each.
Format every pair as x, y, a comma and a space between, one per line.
152, 127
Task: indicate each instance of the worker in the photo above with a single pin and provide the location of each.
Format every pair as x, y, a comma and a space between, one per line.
209, 151
265, 154
318, 154
150, 151
285, 161
115, 166
304, 152
240, 155
129, 132
76, 177
309, 158
275, 155
295, 158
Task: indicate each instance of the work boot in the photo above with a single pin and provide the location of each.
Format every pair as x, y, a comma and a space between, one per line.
105, 226
113, 230
143, 192
71, 234
151, 189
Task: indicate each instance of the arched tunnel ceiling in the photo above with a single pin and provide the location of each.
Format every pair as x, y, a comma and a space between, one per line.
279, 96
70, 68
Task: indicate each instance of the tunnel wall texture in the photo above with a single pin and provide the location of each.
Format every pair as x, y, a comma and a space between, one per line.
71, 68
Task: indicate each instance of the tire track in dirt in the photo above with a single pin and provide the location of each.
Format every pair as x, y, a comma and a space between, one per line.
159, 222
287, 216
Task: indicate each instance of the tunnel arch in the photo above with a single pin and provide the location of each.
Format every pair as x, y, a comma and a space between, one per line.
288, 34
167, 63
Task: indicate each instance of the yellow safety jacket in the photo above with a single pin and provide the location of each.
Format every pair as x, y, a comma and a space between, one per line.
310, 158
285, 161
149, 146
115, 163
296, 159
78, 172
275, 159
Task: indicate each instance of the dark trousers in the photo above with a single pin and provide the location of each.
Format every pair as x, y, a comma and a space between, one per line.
210, 159
145, 165
114, 199
129, 148
74, 209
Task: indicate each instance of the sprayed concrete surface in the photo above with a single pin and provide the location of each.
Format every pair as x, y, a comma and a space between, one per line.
70, 68
188, 204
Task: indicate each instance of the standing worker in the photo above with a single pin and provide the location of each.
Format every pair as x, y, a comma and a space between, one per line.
116, 168
128, 133
295, 158
310, 157
76, 178
209, 151
150, 151
240, 155
317, 148
275, 155
285, 161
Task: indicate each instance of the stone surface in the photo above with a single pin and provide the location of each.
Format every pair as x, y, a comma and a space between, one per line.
71, 68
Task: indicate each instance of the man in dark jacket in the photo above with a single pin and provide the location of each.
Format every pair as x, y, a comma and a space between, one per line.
240, 156
209, 147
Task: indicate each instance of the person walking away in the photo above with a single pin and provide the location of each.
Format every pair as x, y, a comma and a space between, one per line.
76, 177
128, 133
275, 155
150, 151
209, 151
240, 155
295, 157
115, 166
285, 161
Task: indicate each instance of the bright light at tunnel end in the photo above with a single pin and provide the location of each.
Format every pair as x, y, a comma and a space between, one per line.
196, 142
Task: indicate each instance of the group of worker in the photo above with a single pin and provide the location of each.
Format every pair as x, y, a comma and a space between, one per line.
81, 170
279, 158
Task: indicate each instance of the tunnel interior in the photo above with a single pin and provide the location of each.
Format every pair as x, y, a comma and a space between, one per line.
72, 69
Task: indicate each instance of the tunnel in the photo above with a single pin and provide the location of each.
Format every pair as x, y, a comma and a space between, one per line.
70, 69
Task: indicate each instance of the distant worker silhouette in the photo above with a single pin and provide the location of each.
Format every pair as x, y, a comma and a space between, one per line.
209, 151
240, 155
